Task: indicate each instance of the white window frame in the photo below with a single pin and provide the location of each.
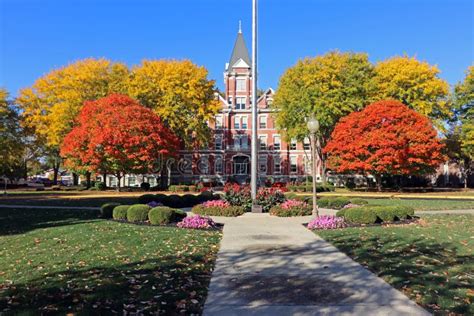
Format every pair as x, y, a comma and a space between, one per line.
240, 84
262, 161
276, 162
295, 158
306, 144
219, 121
218, 165
218, 142
293, 144
240, 105
264, 117
275, 137
236, 122
244, 122
262, 144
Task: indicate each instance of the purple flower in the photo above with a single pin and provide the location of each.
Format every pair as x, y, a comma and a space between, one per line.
327, 222
154, 204
196, 221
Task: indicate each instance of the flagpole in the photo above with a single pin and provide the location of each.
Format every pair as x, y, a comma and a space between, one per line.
254, 151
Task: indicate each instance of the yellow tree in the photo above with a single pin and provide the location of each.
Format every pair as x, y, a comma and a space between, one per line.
51, 104
415, 84
179, 92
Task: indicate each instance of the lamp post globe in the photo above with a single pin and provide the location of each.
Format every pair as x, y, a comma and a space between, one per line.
313, 127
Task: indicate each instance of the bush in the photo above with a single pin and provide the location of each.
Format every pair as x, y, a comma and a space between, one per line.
230, 211
333, 202
162, 215
291, 208
145, 186
269, 197
146, 198
138, 213
360, 215
100, 185
238, 195
197, 222
206, 196
341, 213
359, 201
106, 210
120, 212
327, 222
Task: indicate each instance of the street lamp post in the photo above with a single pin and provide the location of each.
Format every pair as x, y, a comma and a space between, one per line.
313, 127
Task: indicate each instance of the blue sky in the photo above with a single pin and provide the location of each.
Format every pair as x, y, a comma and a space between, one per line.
39, 35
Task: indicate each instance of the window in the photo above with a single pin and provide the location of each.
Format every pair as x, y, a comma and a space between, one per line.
276, 142
240, 103
307, 165
262, 164
263, 142
113, 181
230, 100
131, 181
276, 164
263, 122
218, 142
218, 121
240, 85
293, 144
236, 122
293, 164
203, 165
240, 141
218, 167
244, 122
306, 144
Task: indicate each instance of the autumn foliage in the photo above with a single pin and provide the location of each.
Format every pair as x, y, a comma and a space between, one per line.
117, 135
385, 138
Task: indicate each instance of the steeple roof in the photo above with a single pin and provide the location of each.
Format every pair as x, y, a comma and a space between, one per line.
240, 51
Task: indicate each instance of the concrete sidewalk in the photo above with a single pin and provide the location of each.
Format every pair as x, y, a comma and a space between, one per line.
275, 266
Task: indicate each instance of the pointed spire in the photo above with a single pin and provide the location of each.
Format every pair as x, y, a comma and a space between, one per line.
240, 26
240, 50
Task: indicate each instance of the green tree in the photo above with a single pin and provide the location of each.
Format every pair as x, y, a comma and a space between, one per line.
415, 84
329, 86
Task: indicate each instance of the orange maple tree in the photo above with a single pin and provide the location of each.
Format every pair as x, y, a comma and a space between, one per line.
386, 138
117, 135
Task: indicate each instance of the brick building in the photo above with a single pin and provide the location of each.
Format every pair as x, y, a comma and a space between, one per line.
228, 154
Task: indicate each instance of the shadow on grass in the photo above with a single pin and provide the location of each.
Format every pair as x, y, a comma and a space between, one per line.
435, 274
56, 200
165, 285
18, 221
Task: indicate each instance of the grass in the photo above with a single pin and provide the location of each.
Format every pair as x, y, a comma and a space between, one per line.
76, 201
432, 263
63, 261
426, 205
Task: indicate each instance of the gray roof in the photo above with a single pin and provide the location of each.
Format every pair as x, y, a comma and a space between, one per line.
240, 51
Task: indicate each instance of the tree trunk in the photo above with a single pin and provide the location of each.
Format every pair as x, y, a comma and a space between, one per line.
378, 180
75, 179
104, 180
88, 179
55, 173
119, 177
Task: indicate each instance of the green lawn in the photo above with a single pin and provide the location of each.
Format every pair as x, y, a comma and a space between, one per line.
432, 263
55, 200
68, 261
426, 205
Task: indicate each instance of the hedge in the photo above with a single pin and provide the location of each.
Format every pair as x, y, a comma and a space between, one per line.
162, 215
230, 211
177, 201
333, 202
294, 211
146, 198
120, 212
138, 213
309, 188
359, 201
107, 209
374, 214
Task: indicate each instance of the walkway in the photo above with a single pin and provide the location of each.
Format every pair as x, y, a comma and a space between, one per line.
275, 266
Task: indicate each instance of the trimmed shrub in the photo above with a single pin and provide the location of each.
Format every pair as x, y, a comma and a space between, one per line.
196, 222
173, 201
163, 215
381, 213
120, 212
138, 213
145, 186
190, 199
359, 201
360, 215
146, 198
206, 196
230, 211
333, 202
291, 208
341, 213
106, 210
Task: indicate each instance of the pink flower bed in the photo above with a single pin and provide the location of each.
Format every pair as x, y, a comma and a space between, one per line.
197, 222
350, 205
289, 204
327, 222
216, 203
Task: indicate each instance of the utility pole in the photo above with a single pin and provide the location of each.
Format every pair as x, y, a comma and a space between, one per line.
254, 151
